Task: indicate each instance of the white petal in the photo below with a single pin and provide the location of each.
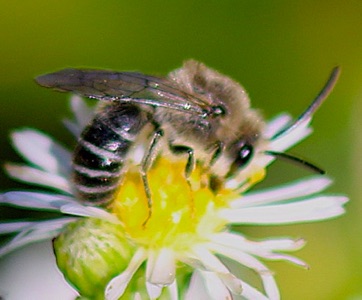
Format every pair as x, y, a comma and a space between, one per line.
173, 290
276, 124
118, 284
265, 249
35, 200
37, 232
270, 287
213, 264
161, 267
235, 240
251, 262
314, 209
154, 291
72, 127
285, 141
291, 259
83, 113
211, 287
210, 261
196, 288
241, 257
10, 227
231, 282
40, 150
39, 177
282, 244
299, 188
251, 293
31, 274
77, 209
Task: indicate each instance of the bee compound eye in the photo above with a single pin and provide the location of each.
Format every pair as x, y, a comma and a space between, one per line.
245, 153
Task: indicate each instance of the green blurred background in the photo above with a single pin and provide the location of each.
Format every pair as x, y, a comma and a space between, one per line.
281, 51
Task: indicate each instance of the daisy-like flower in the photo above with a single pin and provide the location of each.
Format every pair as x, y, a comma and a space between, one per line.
187, 246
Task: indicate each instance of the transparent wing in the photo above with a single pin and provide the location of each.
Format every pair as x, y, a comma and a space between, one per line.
125, 87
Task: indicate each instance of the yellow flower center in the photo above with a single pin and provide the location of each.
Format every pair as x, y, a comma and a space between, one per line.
182, 212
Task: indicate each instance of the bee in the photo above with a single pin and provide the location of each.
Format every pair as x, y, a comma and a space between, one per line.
195, 111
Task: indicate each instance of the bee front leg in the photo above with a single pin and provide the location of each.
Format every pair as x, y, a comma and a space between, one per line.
145, 166
217, 152
215, 183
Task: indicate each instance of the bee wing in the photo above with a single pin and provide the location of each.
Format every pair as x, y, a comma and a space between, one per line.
125, 87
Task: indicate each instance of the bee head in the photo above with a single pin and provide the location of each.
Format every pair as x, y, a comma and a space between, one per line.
233, 156
231, 159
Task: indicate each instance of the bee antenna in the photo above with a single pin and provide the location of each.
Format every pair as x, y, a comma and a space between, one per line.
316, 103
297, 160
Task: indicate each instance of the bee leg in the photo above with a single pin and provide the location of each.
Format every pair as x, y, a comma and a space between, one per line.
190, 166
219, 148
145, 166
215, 182
180, 149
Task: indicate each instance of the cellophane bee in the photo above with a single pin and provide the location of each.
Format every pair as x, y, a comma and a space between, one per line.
194, 111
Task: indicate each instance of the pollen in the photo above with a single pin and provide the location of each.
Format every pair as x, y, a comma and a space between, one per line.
182, 212
257, 176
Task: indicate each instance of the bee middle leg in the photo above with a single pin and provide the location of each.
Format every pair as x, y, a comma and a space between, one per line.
145, 166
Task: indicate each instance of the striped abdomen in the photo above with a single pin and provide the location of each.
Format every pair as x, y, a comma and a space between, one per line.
102, 148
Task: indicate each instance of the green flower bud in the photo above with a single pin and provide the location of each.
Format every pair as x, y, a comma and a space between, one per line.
90, 252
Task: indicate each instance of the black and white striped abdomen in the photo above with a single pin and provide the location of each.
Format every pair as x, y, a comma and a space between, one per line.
98, 159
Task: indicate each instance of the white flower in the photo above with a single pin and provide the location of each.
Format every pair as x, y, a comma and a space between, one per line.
192, 232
